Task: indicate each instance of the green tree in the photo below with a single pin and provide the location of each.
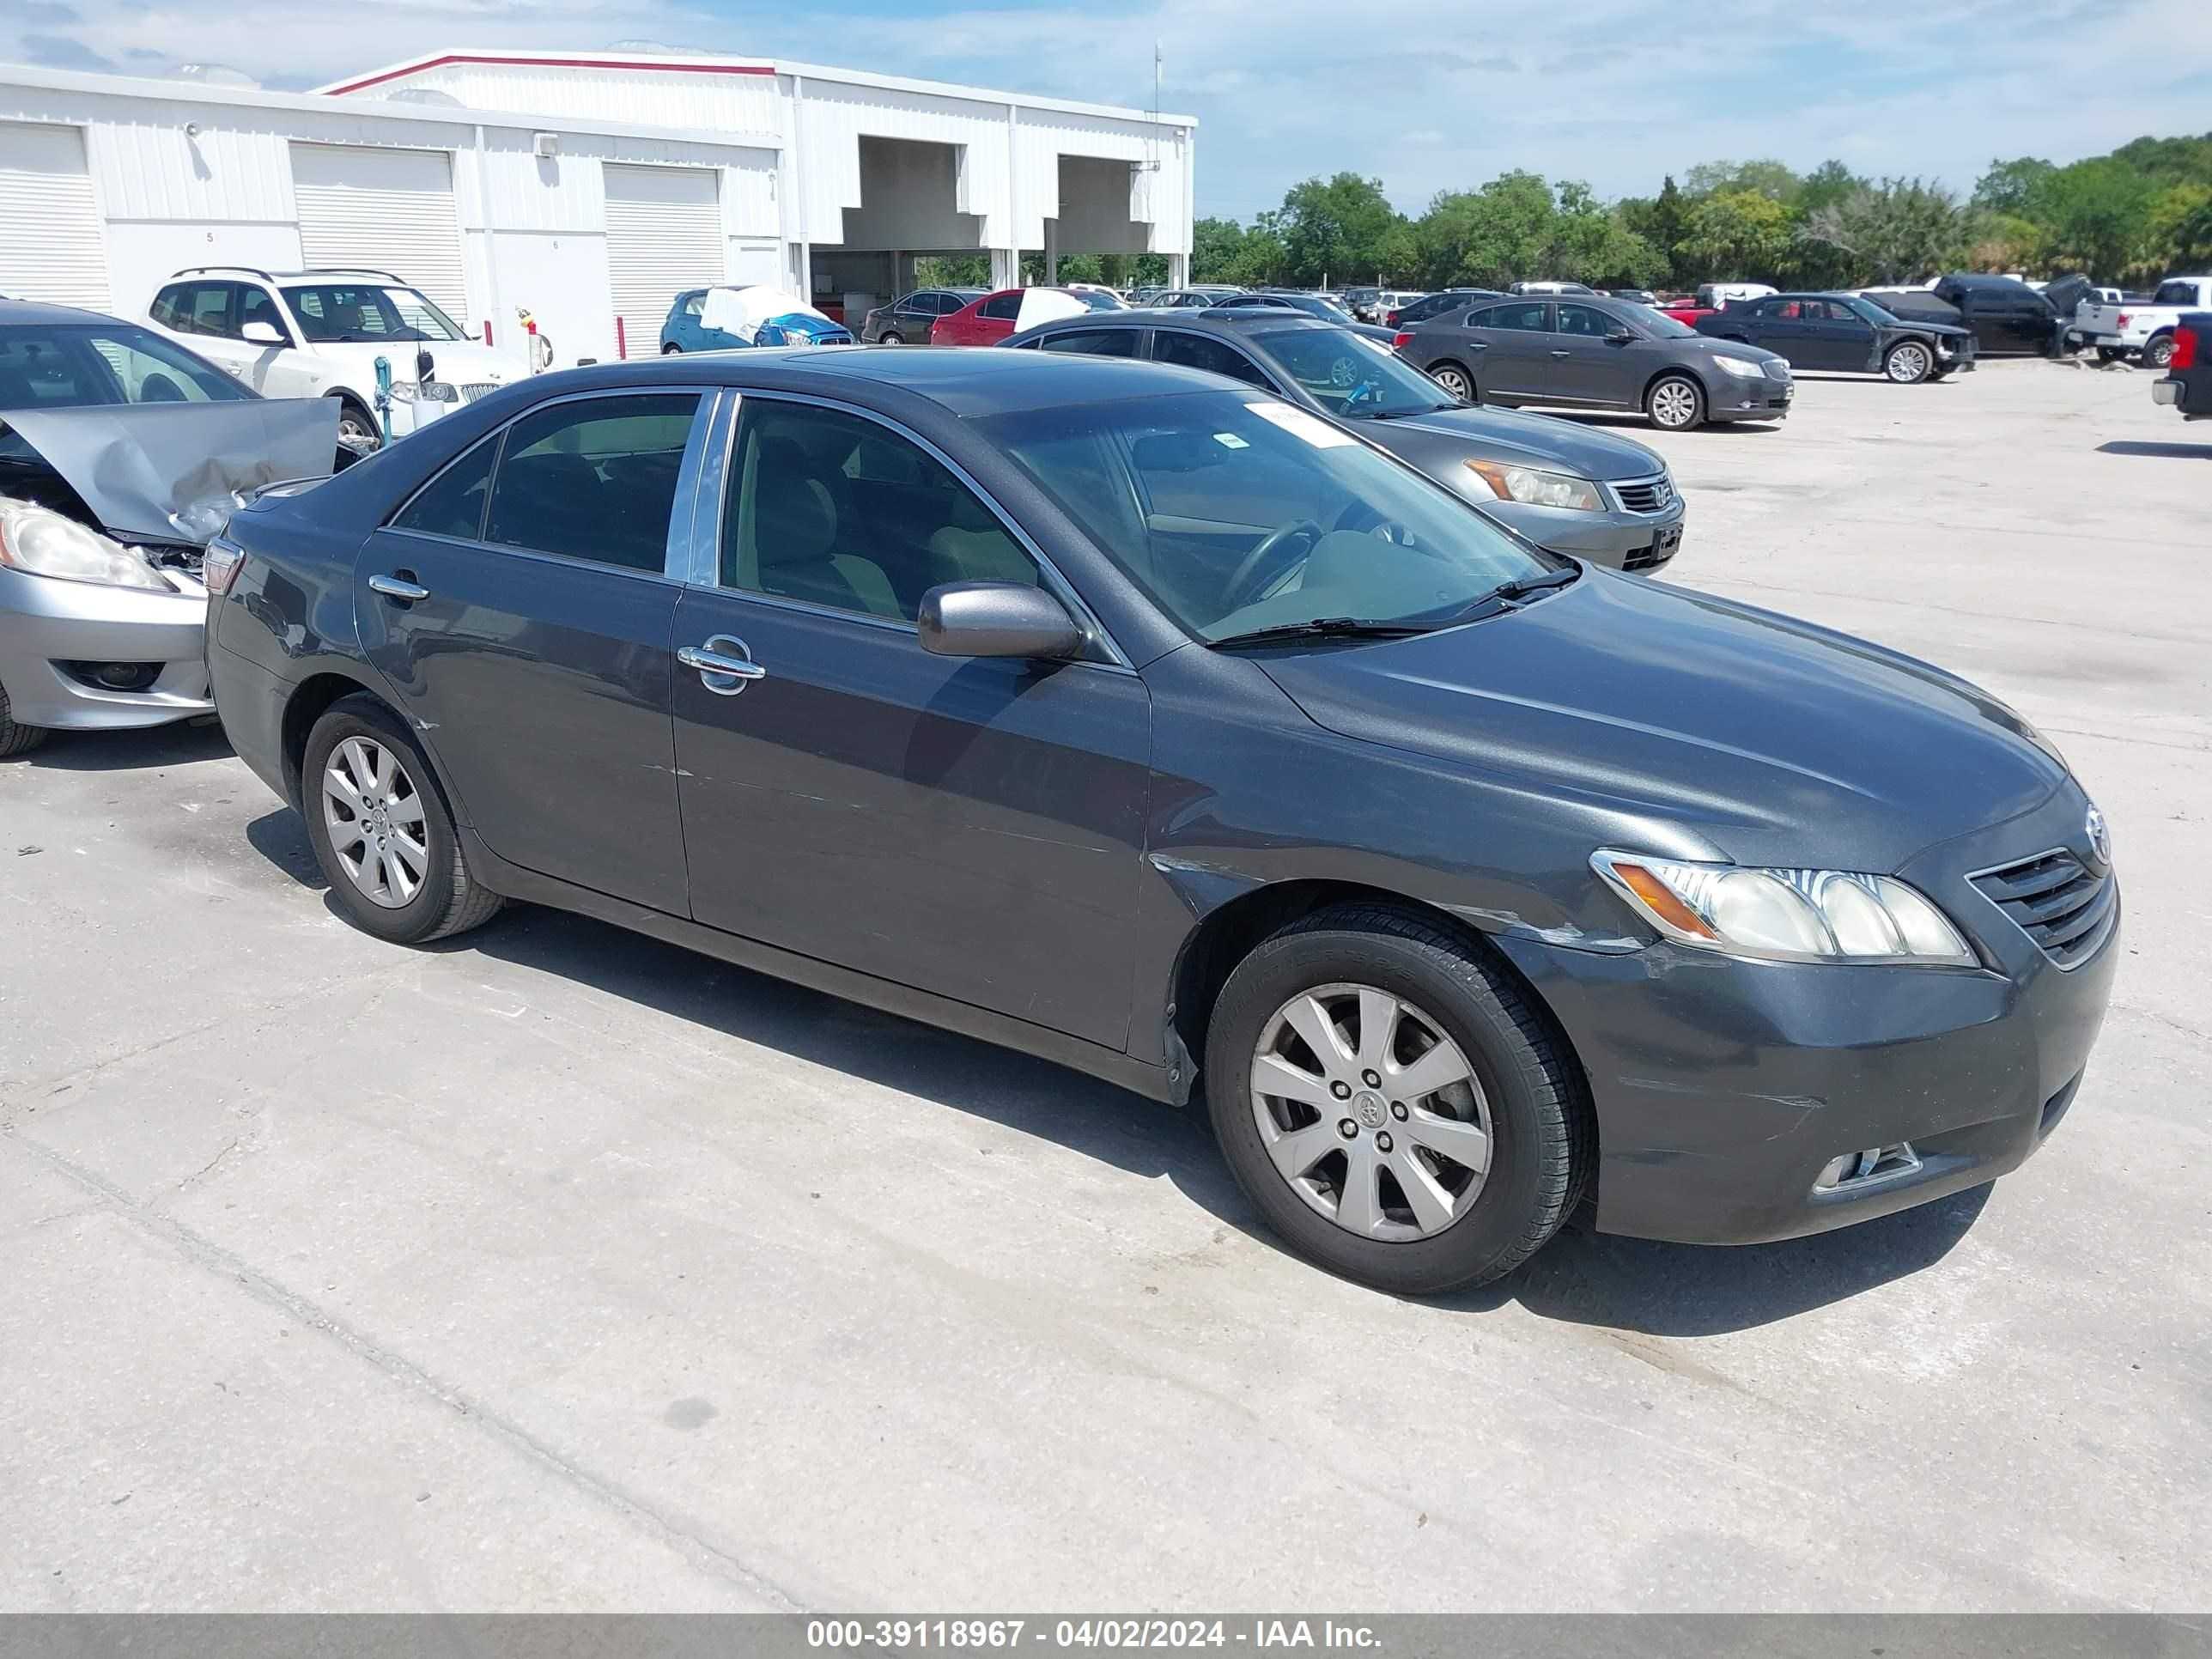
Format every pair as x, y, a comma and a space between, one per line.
1769, 178
2095, 215
1343, 230
1489, 237
2179, 234
1735, 235
2010, 187
1826, 185
1898, 231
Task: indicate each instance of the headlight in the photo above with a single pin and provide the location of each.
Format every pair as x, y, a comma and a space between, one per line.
44, 543
1742, 367
1501, 481
1785, 915
428, 392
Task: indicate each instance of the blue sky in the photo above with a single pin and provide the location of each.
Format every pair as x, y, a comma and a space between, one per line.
1615, 92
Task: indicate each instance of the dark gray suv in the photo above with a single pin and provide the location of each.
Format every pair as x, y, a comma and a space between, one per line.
1575, 490
1599, 354
1158, 726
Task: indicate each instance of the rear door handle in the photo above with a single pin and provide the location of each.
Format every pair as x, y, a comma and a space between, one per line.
397, 587
725, 663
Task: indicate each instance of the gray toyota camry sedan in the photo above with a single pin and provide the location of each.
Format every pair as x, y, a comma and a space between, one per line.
1572, 488
1158, 726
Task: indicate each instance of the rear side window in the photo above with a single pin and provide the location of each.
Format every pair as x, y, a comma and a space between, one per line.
199, 308
1195, 351
594, 479
1526, 318
1093, 341
2175, 293
452, 503
1007, 305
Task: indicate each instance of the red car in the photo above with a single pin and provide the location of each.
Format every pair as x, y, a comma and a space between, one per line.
990, 320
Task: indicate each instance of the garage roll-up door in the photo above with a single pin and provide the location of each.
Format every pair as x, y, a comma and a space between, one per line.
383, 210
664, 235
54, 248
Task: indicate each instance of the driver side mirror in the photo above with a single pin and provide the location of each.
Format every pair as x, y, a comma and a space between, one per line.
261, 334
996, 619
1621, 336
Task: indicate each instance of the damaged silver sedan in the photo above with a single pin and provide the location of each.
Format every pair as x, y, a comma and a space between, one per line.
121, 453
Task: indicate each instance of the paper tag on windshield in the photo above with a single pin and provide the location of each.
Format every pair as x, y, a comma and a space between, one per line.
1229, 440
1299, 424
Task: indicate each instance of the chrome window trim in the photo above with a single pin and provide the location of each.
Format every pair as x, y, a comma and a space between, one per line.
1055, 582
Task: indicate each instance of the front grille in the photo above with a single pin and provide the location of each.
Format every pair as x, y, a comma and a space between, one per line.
472, 390
1645, 495
2067, 908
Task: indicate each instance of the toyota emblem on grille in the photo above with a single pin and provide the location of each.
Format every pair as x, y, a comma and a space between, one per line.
2100, 838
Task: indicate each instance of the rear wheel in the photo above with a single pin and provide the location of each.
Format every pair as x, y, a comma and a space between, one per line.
1455, 381
1908, 363
380, 829
2157, 351
671, 349
1675, 402
16, 739
893, 338
1397, 1108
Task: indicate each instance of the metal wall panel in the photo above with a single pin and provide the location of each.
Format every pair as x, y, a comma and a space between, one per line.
386, 209
713, 102
664, 235
53, 248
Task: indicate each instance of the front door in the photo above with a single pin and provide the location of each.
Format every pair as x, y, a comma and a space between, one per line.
1590, 368
1838, 337
520, 608
970, 828
1510, 351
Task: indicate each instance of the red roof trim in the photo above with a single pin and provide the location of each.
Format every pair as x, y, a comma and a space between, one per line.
552, 62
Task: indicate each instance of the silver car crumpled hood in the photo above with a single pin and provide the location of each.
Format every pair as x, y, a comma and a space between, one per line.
171, 472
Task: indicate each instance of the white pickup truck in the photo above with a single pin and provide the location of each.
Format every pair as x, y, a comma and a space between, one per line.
2130, 329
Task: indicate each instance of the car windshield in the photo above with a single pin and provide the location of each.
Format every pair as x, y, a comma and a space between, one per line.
1871, 312
348, 313
80, 365
1351, 374
1237, 512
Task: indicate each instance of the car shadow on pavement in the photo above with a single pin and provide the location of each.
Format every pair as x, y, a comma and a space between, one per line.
1580, 1278
2157, 452
182, 745
1624, 418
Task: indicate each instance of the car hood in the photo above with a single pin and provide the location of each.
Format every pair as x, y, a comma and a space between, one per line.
170, 472
458, 361
1769, 740
1536, 439
1707, 345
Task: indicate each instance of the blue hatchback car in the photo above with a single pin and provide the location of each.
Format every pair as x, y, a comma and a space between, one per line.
686, 328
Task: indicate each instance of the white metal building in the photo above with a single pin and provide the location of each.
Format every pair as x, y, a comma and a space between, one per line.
587, 188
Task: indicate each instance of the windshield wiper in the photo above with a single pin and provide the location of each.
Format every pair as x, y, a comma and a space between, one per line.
1518, 591
1324, 628
1410, 414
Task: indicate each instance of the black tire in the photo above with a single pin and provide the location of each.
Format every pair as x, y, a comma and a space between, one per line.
354, 415
450, 900
671, 349
1908, 362
16, 739
2157, 351
1456, 381
2110, 354
1662, 399
1542, 1143
891, 337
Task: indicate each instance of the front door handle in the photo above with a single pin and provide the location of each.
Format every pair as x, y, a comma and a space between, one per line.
397, 587
725, 663
1561, 353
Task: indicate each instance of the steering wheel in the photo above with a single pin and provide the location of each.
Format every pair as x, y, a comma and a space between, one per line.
158, 388
1271, 544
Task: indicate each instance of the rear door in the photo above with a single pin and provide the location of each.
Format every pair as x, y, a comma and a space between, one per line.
969, 828
205, 313
521, 607
1511, 348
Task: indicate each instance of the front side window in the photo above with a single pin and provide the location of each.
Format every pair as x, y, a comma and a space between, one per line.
1349, 374
593, 479
257, 305
1237, 512
71, 365
452, 503
1587, 322
1196, 351
353, 313
833, 509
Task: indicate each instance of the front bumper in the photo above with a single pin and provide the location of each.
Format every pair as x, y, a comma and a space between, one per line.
1625, 541
45, 623
1724, 1088
1764, 399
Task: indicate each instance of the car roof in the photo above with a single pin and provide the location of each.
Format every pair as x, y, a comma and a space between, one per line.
964, 381
40, 311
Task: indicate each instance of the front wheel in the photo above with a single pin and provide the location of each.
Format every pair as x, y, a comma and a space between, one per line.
2157, 351
1908, 362
1454, 380
357, 428
380, 830
15, 738
1395, 1107
1675, 402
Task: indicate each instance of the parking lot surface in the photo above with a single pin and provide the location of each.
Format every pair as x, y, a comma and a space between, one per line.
558, 1269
